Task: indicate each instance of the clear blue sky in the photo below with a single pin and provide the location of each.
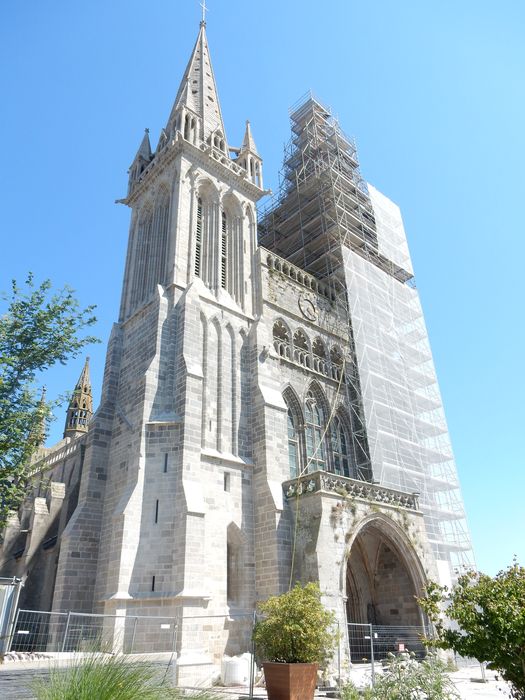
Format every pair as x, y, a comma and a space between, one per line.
434, 94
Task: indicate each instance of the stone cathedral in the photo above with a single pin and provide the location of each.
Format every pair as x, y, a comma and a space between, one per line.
270, 411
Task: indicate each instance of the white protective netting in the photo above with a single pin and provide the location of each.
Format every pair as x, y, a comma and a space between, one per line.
406, 428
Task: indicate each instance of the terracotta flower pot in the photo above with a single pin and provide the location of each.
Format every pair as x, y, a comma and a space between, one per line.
290, 681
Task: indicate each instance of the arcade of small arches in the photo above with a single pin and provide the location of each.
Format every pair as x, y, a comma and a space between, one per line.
188, 124
314, 355
300, 276
79, 416
318, 440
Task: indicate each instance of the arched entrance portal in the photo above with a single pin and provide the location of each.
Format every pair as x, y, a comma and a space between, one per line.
382, 580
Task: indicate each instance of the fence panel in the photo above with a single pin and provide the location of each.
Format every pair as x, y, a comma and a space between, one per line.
149, 634
9, 594
38, 631
395, 639
375, 642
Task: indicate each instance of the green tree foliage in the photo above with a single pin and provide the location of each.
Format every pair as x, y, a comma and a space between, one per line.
490, 617
296, 627
38, 328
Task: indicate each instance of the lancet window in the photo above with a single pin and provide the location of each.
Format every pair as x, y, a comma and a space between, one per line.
190, 128
301, 350
198, 238
159, 248
218, 142
314, 433
218, 242
336, 363
293, 446
232, 569
281, 339
224, 251
319, 356
234, 565
149, 249
341, 454
321, 440
294, 432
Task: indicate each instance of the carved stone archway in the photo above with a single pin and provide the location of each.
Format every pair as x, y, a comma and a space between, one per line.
383, 576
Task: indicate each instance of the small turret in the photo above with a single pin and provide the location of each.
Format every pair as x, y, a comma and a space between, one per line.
140, 162
249, 158
80, 409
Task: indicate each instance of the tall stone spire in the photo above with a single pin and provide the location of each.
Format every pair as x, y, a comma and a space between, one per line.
80, 409
197, 111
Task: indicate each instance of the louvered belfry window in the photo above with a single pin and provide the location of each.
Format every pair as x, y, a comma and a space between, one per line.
224, 252
198, 239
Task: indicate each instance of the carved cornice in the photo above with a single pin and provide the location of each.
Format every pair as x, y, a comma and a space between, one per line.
342, 486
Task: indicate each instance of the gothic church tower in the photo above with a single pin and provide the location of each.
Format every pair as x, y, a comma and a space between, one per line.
165, 488
269, 413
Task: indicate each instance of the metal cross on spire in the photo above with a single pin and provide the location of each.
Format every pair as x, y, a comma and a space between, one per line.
204, 10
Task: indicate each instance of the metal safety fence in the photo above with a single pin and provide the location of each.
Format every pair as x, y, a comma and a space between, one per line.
369, 644
40, 631
375, 642
199, 651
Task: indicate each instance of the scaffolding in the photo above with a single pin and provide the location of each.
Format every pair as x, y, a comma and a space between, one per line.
327, 221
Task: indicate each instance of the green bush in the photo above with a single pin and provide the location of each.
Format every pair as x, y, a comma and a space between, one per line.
99, 676
490, 618
407, 679
296, 628
349, 691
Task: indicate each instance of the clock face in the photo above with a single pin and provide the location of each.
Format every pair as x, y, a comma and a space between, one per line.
307, 308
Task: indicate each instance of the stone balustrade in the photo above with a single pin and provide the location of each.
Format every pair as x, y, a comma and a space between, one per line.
274, 262
351, 488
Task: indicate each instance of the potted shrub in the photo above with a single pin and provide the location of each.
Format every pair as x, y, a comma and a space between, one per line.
295, 636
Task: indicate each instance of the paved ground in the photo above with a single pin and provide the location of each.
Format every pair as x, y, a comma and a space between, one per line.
470, 685
16, 680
